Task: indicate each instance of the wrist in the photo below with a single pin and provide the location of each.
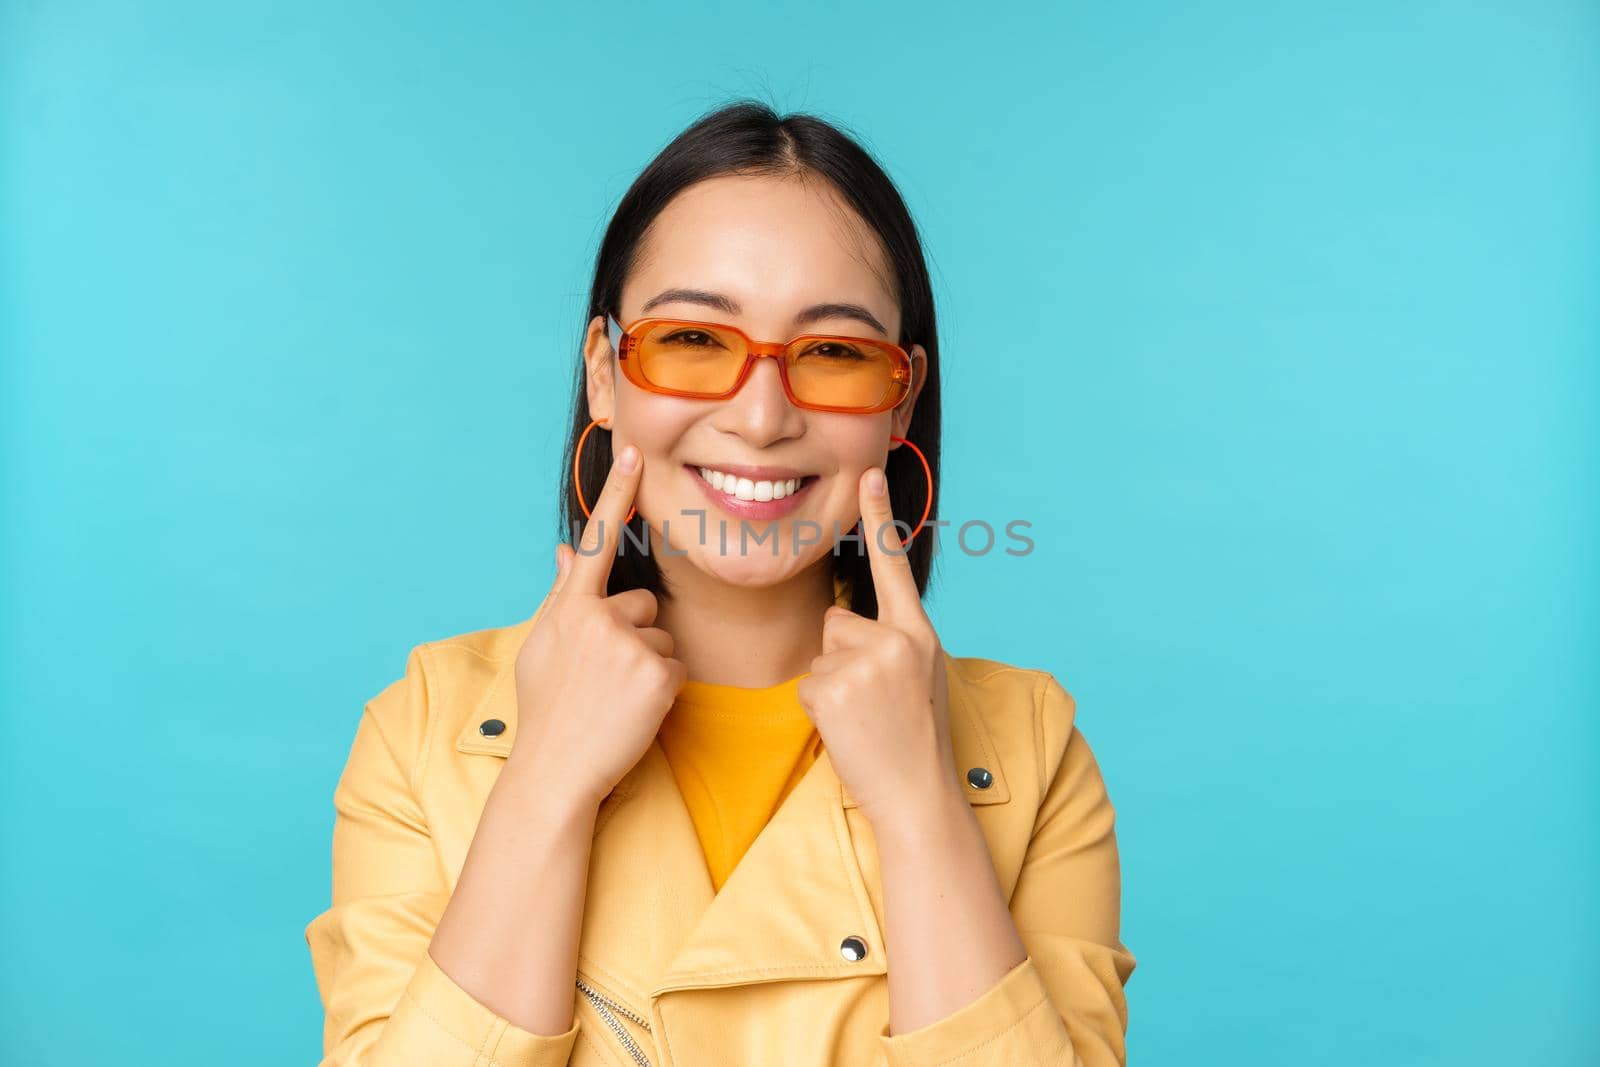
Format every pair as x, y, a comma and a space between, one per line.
931, 815
528, 785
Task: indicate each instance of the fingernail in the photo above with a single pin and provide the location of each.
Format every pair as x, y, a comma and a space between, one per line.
875, 483
629, 459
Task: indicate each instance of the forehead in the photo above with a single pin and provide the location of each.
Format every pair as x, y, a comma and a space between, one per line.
773, 244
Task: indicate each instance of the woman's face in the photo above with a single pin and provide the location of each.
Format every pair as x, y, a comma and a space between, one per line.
756, 253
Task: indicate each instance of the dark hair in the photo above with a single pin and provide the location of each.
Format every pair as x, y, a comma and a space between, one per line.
749, 137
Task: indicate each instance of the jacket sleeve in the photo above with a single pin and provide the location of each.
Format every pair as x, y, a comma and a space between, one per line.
386, 1002
1064, 1004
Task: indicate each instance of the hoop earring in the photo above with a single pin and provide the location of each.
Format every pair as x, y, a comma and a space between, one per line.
928, 501
577, 456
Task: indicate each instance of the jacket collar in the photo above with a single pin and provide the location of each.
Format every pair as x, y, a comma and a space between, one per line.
793, 898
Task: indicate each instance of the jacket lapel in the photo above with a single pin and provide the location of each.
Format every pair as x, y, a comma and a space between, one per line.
652, 922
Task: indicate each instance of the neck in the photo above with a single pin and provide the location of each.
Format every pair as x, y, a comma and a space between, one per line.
748, 636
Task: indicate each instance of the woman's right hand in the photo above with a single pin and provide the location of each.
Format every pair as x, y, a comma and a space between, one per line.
595, 676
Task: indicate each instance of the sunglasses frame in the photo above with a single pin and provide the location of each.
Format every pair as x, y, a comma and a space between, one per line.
625, 341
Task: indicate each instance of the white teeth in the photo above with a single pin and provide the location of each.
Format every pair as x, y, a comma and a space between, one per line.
748, 488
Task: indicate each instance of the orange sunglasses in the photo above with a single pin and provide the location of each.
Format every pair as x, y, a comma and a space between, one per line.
712, 361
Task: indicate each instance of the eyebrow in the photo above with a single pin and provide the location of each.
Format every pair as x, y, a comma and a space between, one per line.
813, 314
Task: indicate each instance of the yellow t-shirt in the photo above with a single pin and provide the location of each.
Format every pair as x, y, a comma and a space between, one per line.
736, 754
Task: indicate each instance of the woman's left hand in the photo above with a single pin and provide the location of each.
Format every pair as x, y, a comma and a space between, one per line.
878, 693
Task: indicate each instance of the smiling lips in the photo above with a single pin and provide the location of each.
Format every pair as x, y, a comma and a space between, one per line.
753, 492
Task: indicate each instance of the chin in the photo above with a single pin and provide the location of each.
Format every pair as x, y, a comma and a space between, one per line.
757, 569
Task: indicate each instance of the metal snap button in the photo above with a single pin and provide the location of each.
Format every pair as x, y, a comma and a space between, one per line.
491, 728
980, 778
853, 948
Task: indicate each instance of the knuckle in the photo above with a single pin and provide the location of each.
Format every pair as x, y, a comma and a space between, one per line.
834, 691
659, 672
596, 625
869, 672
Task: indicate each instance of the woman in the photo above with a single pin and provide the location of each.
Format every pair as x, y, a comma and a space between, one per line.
723, 798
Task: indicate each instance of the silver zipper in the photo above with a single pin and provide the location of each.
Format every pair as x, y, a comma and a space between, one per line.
604, 1006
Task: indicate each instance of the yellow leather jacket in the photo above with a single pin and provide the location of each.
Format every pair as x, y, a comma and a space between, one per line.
768, 972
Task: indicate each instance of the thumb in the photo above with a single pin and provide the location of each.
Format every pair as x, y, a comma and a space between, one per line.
564, 557
564, 568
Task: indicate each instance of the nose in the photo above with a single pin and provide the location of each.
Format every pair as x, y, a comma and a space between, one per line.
760, 411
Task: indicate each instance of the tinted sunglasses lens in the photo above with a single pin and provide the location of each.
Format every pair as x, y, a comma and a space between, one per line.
690, 358
840, 373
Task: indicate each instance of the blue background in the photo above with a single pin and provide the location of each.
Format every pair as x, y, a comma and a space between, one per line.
1278, 321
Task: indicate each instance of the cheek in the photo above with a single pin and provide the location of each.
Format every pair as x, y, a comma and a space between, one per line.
856, 442
655, 424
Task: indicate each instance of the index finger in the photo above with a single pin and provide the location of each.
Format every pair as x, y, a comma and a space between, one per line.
898, 599
597, 548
